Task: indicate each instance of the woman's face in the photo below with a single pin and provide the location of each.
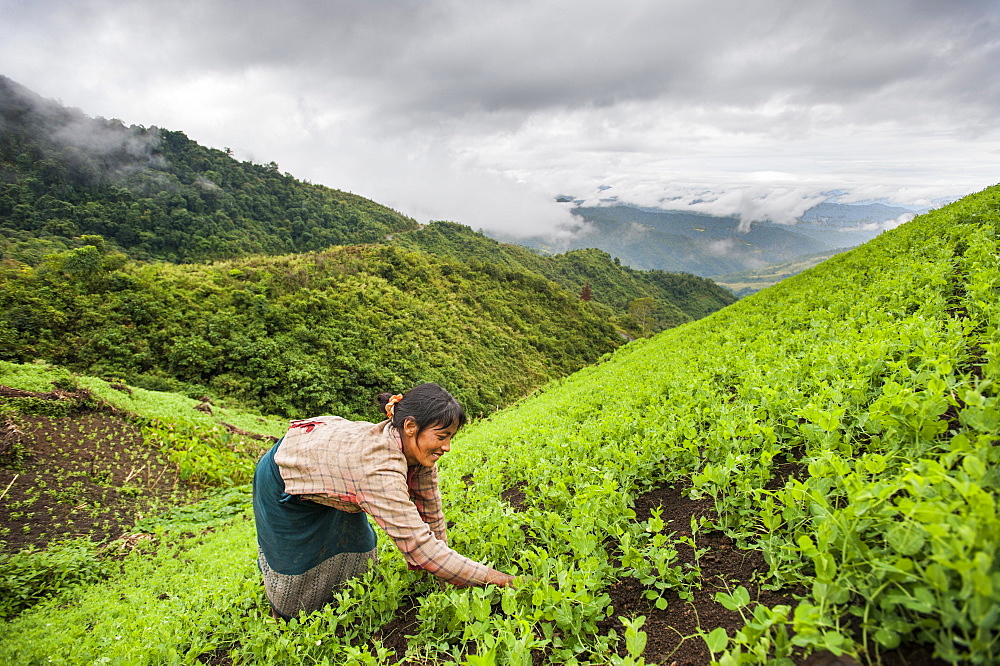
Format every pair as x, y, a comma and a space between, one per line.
425, 448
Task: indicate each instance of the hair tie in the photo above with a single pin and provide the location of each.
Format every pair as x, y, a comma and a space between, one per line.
390, 407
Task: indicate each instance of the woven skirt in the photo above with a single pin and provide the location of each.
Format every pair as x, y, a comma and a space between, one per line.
309, 591
305, 550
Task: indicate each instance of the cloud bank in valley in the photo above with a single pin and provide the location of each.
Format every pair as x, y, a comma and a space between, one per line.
482, 111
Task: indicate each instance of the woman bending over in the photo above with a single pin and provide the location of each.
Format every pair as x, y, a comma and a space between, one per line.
313, 489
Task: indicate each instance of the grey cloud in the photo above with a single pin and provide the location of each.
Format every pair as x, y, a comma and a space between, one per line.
442, 58
665, 98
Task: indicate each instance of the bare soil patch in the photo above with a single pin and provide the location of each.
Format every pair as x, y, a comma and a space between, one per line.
89, 474
672, 632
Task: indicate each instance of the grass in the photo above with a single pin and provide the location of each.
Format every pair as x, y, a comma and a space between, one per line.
137, 402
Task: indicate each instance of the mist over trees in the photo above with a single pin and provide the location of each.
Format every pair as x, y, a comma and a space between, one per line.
156, 194
135, 253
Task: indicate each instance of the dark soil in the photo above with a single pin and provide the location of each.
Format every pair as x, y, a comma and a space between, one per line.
394, 635
672, 633
89, 474
515, 496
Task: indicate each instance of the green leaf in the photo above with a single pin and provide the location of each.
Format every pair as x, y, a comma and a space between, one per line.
974, 467
906, 538
738, 599
635, 640
807, 546
717, 639
826, 567
741, 596
508, 601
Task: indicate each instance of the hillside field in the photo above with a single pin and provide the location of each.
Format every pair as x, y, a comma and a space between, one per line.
812, 470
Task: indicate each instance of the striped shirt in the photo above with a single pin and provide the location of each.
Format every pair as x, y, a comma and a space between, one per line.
357, 466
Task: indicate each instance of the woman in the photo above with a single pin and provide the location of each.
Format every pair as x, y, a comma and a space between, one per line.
313, 489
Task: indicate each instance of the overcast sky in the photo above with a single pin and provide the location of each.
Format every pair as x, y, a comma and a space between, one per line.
482, 111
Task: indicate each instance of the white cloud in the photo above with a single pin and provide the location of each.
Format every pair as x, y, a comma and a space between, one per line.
879, 226
480, 111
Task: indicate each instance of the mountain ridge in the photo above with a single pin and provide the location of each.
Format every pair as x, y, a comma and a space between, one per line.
156, 194
701, 244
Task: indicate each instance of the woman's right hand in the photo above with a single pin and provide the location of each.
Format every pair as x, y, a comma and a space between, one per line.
500, 578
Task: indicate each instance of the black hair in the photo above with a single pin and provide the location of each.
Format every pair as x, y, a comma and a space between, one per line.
428, 405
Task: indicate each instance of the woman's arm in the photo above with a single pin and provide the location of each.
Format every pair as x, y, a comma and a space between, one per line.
384, 495
422, 483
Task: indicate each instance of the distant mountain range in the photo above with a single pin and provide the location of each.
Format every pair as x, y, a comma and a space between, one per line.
680, 241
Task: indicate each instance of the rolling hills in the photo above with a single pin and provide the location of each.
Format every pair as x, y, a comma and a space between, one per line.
707, 245
678, 297
108, 236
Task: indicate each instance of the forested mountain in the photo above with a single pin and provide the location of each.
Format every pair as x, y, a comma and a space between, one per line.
155, 193
317, 298
301, 334
675, 297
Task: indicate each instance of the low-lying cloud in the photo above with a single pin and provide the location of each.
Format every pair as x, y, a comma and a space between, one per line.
879, 227
94, 150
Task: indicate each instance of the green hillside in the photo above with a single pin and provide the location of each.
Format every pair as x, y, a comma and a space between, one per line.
843, 424
156, 194
301, 334
676, 297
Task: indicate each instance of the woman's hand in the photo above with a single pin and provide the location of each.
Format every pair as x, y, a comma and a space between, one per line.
506, 580
495, 577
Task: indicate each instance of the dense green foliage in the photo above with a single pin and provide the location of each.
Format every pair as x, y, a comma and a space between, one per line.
303, 334
677, 297
844, 421
29, 576
155, 193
